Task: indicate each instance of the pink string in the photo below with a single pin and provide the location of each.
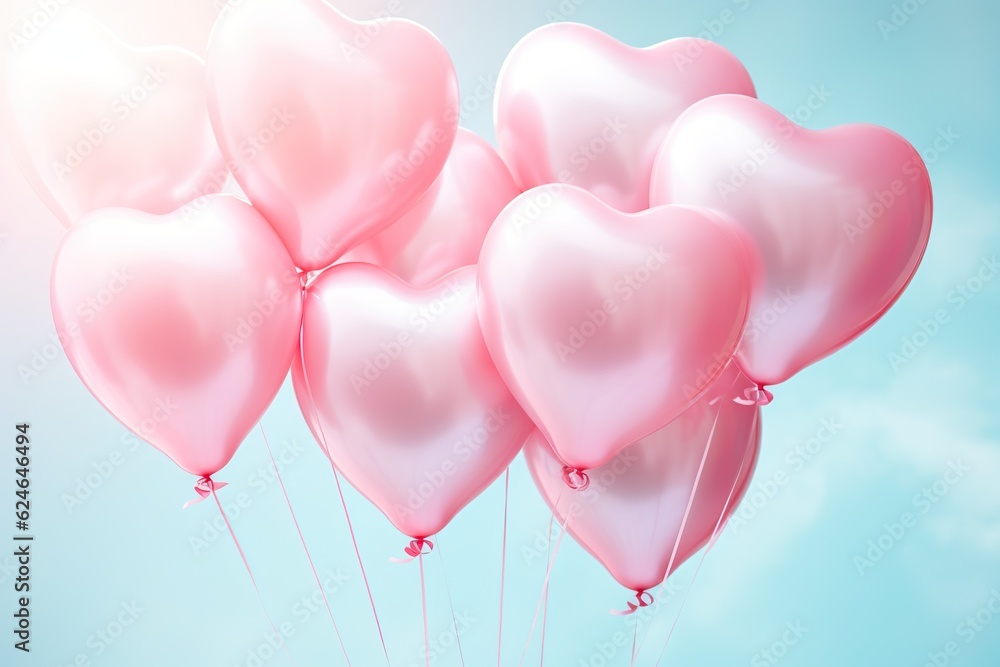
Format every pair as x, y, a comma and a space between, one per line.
451, 605
545, 583
690, 504
336, 477
635, 635
423, 604
305, 548
545, 591
711, 541
361, 564
211, 486
503, 559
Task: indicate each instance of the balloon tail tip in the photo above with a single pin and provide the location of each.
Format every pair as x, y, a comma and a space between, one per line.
575, 478
757, 395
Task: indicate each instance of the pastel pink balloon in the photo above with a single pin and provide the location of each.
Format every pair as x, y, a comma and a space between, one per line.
95, 122
333, 128
183, 326
445, 229
574, 105
840, 219
411, 408
306, 405
631, 516
607, 325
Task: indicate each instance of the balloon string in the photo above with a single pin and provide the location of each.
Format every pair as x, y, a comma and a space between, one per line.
246, 564
690, 503
503, 559
635, 635
361, 564
451, 605
545, 603
305, 548
423, 605
715, 534
545, 583
336, 476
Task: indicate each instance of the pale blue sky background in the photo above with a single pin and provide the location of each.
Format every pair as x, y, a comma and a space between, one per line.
790, 562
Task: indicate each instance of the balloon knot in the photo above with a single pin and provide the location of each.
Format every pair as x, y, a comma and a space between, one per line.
758, 395
575, 478
306, 278
204, 487
642, 599
416, 548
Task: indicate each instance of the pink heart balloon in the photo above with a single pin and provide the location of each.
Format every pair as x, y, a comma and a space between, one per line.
840, 219
574, 105
607, 325
410, 405
631, 517
183, 326
445, 229
96, 123
333, 128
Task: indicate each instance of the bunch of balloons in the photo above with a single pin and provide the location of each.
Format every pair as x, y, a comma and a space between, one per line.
613, 290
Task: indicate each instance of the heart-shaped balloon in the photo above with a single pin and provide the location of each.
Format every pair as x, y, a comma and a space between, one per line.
411, 408
840, 219
631, 517
607, 325
183, 326
445, 229
574, 105
96, 123
333, 128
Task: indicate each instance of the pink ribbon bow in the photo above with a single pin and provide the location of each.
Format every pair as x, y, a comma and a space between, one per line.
642, 599
204, 488
415, 549
758, 395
